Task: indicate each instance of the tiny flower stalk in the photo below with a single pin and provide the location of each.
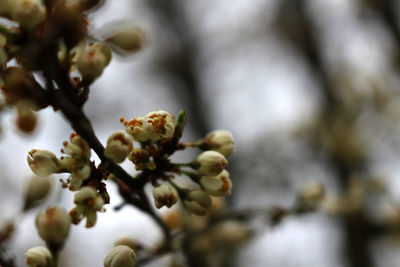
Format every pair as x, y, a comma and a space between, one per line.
120, 256
38, 257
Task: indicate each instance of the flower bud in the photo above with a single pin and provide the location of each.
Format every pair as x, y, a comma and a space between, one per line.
37, 190
220, 141
128, 41
43, 162
140, 157
138, 128
28, 13
198, 202
77, 148
119, 146
120, 256
79, 173
19, 84
129, 242
53, 226
162, 124
92, 62
210, 163
26, 119
218, 186
38, 257
88, 202
164, 195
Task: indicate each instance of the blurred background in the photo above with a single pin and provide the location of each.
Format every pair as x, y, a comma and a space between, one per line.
309, 90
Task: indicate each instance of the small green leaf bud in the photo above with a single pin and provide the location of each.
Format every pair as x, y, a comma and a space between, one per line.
217, 186
119, 146
164, 195
53, 226
220, 141
38, 257
37, 190
198, 202
120, 256
43, 162
127, 41
209, 163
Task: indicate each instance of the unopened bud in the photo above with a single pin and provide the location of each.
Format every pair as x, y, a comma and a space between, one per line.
164, 195
120, 256
53, 226
28, 13
26, 119
210, 163
128, 41
37, 190
38, 257
77, 148
42, 162
119, 146
220, 141
140, 157
129, 242
198, 202
92, 62
217, 186
19, 84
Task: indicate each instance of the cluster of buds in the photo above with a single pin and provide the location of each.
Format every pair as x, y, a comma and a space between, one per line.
88, 202
76, 162
158, 132
54, 35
